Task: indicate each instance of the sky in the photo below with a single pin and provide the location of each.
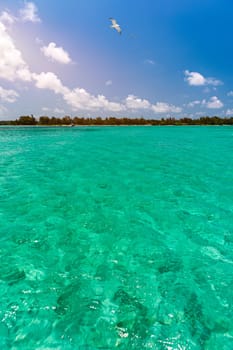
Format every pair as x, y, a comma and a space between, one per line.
172, 59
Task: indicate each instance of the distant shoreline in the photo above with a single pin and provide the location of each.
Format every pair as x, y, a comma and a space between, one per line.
105, 125
67, 121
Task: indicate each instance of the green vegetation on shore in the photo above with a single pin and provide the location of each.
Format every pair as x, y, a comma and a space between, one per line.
67, 120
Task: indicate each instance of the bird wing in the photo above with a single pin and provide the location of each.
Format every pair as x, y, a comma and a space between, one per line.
118, 29
114, 22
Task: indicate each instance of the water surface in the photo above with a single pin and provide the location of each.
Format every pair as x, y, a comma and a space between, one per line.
116, 238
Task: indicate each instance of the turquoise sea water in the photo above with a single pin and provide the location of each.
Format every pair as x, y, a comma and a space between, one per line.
116, 238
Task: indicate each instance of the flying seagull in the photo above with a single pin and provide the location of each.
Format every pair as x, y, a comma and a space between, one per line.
115, 25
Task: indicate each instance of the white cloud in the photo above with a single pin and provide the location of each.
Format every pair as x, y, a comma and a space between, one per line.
8, 95
24, 74
80, 99
12, 65
29, 13
197, 79
194, 78
49, 81
194, 103
56, 53
7, 18
230, 93
162, 107
229, 112
45, 109
133, 102
213, 103
108, 83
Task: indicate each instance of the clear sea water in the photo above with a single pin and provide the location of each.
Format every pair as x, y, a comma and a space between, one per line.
116, 238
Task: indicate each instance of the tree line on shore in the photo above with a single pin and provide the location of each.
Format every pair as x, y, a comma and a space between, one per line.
67, 120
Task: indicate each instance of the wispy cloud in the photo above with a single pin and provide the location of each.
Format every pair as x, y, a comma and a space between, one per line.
59, 110
55, 53
39, 41
29, 13
197, 79
134, 102
162, 107
53, 110
108, 83
45, 109
8, 95
149, 61
194, 103
7, 18
230, 93
229, 112
3, 110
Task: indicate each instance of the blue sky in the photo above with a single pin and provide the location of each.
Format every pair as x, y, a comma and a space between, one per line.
173, 58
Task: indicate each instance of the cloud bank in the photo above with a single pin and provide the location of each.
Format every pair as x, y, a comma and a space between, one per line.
213, 103
13, 67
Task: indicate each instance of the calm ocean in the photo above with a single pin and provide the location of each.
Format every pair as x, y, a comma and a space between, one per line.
116, 237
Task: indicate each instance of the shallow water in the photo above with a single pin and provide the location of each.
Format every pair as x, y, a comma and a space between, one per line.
116, 237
